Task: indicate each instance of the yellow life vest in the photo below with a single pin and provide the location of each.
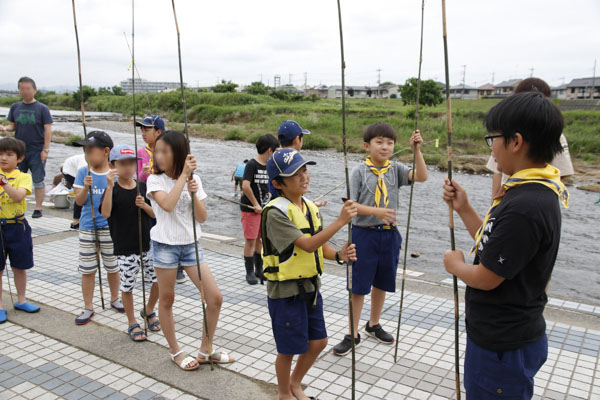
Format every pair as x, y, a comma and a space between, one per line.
293, 263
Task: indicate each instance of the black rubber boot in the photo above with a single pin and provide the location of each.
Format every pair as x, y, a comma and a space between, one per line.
250, 277
258, 268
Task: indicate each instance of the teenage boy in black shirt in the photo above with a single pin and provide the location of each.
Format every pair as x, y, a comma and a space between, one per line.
516, 246
120, 206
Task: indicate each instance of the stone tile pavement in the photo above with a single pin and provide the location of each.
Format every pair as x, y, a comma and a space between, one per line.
425, 369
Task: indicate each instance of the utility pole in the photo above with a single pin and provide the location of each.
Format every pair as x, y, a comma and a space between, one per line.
305, 80
378, 77
593, 81
261, 77
289, 79
531, 72
463, 81
276, 81
493, 76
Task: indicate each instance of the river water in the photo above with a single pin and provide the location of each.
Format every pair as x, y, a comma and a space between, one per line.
576, 273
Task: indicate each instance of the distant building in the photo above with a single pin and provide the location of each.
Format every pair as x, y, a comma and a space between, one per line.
486, 90
581, 88
321, 91
506, 88
291, 89
9, 93
144, 86
363, 92
463, 92
560, 92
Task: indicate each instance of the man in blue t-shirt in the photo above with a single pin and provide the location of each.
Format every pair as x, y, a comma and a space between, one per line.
32, 123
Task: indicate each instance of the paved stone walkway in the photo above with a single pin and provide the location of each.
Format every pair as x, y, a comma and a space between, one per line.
34, 366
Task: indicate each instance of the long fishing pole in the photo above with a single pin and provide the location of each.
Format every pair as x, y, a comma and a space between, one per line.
412, 184
187, 136
96, 238
137, 71
12, 300
450, 209
137, 177
233, 201
348, 266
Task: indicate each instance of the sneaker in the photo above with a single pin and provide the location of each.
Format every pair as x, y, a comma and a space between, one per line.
117, 305
84, 317
36, 214
180, 276
378, 333
345, 346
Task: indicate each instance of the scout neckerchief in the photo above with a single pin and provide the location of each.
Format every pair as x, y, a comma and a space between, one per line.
548, 176
381, 187
150, 156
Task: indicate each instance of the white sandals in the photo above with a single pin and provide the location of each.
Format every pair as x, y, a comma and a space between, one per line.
223, 358
184, 365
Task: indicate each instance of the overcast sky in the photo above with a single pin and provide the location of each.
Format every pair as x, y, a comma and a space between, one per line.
240, 40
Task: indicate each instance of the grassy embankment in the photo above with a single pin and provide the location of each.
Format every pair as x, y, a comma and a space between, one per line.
239, 116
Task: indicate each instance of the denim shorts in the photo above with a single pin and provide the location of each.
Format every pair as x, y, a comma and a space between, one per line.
33, 162
171, 256
17, 245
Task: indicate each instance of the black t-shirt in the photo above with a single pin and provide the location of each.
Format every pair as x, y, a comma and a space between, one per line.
256, 174
123, 221
520, 244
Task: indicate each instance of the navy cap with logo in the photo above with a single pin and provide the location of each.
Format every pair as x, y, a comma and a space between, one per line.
96, 139
122, 152
152, 121
288, 130
285, 163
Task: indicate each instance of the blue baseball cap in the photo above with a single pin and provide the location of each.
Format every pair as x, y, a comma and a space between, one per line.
122, 152
288, 130
152, 121
285, 163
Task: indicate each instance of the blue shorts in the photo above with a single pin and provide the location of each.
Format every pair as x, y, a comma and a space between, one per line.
33, 162
171, 256
293, 325
503, 374
17, 244
377, 253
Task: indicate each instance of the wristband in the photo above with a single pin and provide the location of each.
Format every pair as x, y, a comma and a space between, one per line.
337, 258
3, 181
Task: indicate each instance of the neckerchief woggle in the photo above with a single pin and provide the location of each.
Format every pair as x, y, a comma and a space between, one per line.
548, 176
381, 189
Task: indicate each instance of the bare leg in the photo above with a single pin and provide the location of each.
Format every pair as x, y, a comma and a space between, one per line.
152, 300
20, 277
213, 298
39, 197
166, 288
377, 300
283, 365
357, 305
305, 361
249, 247
88, 283
257, 246
113, 283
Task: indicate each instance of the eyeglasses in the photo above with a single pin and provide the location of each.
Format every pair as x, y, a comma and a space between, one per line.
490, 139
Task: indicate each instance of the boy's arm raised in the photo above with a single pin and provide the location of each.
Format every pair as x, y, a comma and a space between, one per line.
457, 196
106, 208
16, 194
311, 244
81, 193
421, 167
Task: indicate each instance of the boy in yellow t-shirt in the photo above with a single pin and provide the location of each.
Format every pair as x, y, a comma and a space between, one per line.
15, 242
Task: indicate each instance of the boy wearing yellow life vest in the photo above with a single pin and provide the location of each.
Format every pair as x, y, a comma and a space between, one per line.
374, 185
294, 246
515, 250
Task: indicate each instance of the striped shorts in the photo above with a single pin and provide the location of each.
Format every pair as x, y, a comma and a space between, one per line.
87, 251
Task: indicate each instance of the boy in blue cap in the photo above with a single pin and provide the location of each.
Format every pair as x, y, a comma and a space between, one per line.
291, 136
16, 233
96, 149
151, 126
516, 244
120, 203
294, 246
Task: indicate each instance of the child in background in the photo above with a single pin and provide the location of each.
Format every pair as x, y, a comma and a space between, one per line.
152, 127
238, 176
295, 244
69, 170
16, 242
256, 194
96, 152
375, 186
169, 190
120, 205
